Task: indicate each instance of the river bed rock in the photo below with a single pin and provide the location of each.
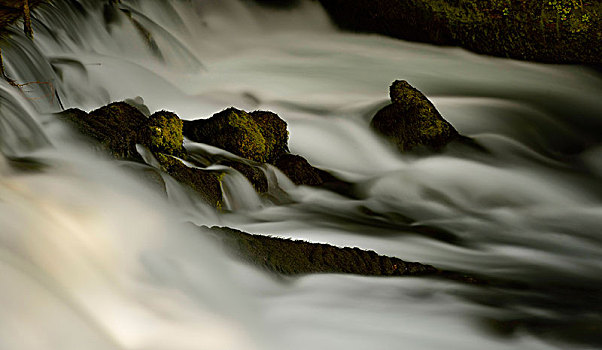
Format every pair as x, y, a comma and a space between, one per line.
412, 121
290, 257
260, 136
119, 127
247, 135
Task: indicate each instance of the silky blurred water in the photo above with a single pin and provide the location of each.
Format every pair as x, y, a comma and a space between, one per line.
93, 257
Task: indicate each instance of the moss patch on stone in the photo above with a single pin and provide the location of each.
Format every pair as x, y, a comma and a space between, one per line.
232, 130
118, 127
273, 129
259, 136
412, 120
163, 133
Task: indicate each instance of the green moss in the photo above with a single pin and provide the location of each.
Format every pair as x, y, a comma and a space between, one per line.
260, 136
233, 130
118, 127
163, 133
412, 120
273, 129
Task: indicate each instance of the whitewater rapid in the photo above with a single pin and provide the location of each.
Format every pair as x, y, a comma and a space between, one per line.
93, 258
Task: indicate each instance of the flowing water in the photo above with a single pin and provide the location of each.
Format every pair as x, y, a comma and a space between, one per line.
93, 258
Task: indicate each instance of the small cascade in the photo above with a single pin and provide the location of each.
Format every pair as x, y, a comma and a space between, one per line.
20, 133
239, 194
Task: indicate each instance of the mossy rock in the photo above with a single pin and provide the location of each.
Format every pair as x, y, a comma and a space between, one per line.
412, 121
163, 133
205, 183
289, 257
274, 131
115, 127
118, 127
257, 136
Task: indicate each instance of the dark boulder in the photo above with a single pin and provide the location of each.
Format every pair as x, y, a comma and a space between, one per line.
259, 136
412, 121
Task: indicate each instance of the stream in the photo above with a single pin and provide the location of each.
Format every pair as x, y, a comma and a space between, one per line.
93, 258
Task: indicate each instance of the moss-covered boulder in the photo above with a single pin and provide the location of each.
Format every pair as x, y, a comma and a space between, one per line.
115, 126
274, 131
412, 121
564, 31
118, 127
260, 136
163, 133
256, 136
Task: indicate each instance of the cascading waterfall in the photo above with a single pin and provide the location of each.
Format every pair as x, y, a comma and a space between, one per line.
93, 258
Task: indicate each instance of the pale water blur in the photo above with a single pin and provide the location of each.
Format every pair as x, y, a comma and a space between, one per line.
93, 258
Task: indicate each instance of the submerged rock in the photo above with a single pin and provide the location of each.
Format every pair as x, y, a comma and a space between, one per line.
291, 257
138, 102
412, 120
